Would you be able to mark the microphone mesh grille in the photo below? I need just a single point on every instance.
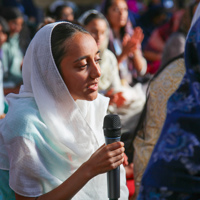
(112, 121)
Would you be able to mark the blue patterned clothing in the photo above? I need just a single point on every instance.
(173, 172)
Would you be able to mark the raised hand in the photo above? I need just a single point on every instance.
(132, 43)
(116, 98)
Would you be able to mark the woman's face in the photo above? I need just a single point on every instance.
(15, 25)
(80, 67)
(118, 14)
(3, 36)
(67, 14)
(97, 28)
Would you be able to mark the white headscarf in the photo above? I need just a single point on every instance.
(46, 135)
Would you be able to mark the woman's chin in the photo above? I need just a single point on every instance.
(92, 97)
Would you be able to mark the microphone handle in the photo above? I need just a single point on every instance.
(113, 176)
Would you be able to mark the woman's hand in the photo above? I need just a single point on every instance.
(138, 36)
(106, 158)
(125, 163)
(116, 98)
(131, 44)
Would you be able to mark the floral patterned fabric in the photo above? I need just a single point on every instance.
(173, 171)
(160, 89)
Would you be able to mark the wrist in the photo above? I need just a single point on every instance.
(87, 170)
(121, 57)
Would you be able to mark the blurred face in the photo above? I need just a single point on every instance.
(3, 36)
(97, 28)
(15, 25)
(118, 14)
(67, 14)
(80, 67)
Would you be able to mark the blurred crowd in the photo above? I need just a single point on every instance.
(136, 39)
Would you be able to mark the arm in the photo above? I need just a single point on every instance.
(106, 158)
(131, 46)
(139, 62)
(156, 42)
(152, 56)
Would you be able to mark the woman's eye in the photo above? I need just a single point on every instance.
(98, 60)
(83, 66)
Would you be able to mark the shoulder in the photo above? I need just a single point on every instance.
(109, 56)
(23, 119)
(173, 72)
(109, 53)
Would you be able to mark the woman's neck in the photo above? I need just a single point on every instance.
(116, 32)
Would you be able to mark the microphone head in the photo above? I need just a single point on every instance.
(112, 126)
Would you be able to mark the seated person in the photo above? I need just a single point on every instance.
(52, 139)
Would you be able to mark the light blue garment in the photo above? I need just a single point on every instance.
(1, 91)
(12, 60)
(5, 191)
(28, 153)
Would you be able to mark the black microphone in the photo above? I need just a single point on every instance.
(112, 133)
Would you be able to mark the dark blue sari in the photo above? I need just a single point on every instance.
(173, 172)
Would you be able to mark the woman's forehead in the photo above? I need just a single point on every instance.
(79, 42)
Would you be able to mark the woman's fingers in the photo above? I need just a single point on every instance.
(106, 158)
(115, 145)
(116, 161)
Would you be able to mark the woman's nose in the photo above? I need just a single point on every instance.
(95, 70)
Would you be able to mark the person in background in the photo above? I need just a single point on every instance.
(124, 41)
(175, 44)
(2, 114)
(126, 101)
(63, 10)
(161, 87)
(13, 49)
(63, 13)
(4, 30)
(154, 46)
(109, 84)
(150, 20)
(52, 138)
(173, 169)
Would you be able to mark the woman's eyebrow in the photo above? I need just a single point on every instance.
(81, 58)
(98, 52)
(84, 57)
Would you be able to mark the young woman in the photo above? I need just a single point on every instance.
(52, 141)
(124, 42)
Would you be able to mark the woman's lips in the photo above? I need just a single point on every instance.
(93, 87)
